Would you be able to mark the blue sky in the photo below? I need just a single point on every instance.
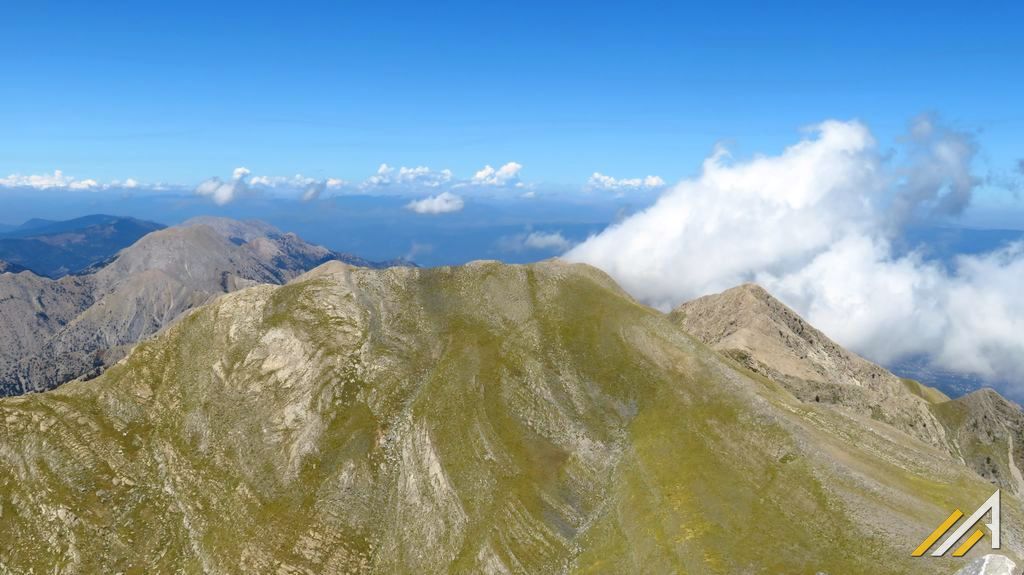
(178, 92)
(862, 139)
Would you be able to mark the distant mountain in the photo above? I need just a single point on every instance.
(982, 429)
(486, 418)
(8, 267)
(59, 330)
(58, 248)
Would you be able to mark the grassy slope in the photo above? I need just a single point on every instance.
(929, 394)
(485, 418)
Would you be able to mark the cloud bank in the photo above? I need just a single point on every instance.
(815, 225)
(58, 180)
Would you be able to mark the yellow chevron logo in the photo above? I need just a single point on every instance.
(991, 506)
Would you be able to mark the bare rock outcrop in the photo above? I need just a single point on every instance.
(746, 323)
(749, 325)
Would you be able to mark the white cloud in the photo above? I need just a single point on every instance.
(60, 181)
(310, 188)
(547, 241)
(298, 181)
(814, 225)
(406, 180)
(49, 181)
(88, 184)
(420, 176)
(506, 175)
(599, 181)
(553, 242)
(222, 192)
(443, 203)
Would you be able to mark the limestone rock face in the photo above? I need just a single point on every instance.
(478, 419)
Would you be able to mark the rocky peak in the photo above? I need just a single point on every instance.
(754, 328)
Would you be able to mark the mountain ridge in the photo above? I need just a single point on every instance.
(8, 267)
(77, 325)
(58, 248)
(982, 429)
(483, 418)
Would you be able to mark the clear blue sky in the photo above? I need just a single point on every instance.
(180, 91)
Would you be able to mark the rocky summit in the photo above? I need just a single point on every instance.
(487, 418)
(982, 429)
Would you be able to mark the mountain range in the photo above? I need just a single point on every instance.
(62, 329)
(491, 418)
(57, 248)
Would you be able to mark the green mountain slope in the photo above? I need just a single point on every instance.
(480, 419)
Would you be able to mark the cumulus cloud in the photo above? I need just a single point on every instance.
(406, 179)
(506, 175)
(58, 180)
(599, 181)
(553, 242)
(443, 203)
(224, 192)
(420, 176)
(547, 241)
(55, 180)
(309, 188)
(298, 181)
(816, 225)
